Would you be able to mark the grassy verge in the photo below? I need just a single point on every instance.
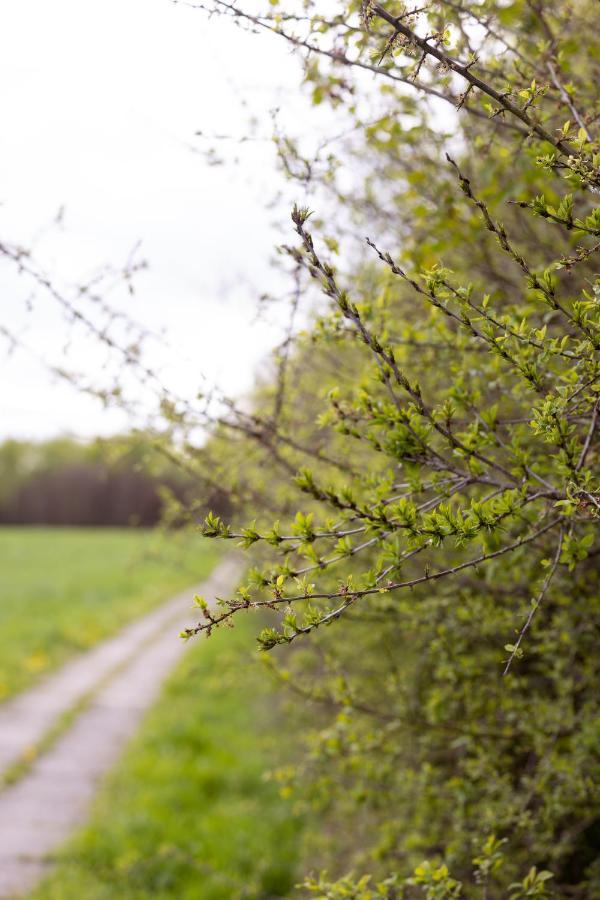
(64, 589)
(187, 813)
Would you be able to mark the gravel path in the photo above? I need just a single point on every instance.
(124, 675)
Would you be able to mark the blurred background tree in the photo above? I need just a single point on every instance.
(122, 481)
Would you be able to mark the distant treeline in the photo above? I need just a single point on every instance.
(117, 481)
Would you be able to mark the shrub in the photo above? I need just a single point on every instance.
(438, 580)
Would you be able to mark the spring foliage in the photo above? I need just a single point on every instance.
(426, 457)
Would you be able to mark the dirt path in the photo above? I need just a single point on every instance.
(124, 675)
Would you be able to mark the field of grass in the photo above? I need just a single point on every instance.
(64, 589)
(187, 814)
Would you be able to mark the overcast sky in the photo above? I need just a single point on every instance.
(100, 104)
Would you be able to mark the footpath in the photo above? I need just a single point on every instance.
(94, 705)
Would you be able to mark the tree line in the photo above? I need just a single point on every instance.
(120, 481)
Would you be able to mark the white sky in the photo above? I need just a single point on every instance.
(99, 105)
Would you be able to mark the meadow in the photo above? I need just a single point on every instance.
(64, 589)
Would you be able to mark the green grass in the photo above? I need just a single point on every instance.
(64, 589)
(187, 814)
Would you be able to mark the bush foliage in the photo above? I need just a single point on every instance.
(426, 457)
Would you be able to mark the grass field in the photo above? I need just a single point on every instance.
(188, 815)
(63, 589)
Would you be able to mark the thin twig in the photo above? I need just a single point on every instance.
(536, 603)
(590, 435)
